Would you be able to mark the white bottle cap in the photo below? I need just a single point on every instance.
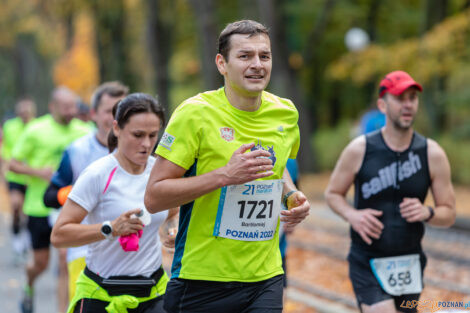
(144, 216)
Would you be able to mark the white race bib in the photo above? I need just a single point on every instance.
(249, 212)
(399, 275)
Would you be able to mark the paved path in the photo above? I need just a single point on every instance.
(12, 277)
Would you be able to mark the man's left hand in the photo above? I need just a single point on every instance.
(298, 209)
(412, 210)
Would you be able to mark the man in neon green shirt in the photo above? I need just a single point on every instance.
(12, 129)
(231, 145)
(37, 154)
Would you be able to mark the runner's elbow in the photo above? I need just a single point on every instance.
(445, 220)
(152, 203)
(328, 195)
(57, 240)
(451, 218)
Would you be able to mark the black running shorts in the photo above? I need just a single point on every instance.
(367, 288)
(40, 232)
(15, 186)
(192, 296)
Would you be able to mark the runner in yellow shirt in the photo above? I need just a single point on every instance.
(37, 154)
(231, 145)
(12, 129)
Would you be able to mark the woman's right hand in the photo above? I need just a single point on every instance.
(127, 224)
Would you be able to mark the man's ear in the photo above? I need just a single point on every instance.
(93, 115)
(382, 105)
(220, 62)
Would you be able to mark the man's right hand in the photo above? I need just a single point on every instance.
(366, 223)
(245, 167)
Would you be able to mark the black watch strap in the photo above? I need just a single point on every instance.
(431, 214)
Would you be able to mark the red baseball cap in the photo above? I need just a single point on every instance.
(396, 83)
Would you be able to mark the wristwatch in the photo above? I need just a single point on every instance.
(107, 230)
(431, 214)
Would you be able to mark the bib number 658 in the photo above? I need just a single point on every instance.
(402, 278)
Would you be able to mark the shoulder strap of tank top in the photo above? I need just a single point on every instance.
(419, 141)
(374, 140)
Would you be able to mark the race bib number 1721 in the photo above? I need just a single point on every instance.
(249, 212)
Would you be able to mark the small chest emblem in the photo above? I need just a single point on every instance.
(227, 133)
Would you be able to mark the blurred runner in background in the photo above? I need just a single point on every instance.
(372, 120)
(25, 110)
(392, 169)
(293, 169)
(37, 154)
(81, 153)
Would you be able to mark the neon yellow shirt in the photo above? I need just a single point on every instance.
(201, 136)
(12, 130)
(41, 146)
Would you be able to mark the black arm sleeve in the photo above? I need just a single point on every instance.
(50, 197)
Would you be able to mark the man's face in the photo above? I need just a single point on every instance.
(65, 107)
(248, 69)
(103, 116)
(26, 110)
(401, 110)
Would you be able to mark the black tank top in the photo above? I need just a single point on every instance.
(384, 179)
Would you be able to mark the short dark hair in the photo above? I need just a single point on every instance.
(113, 89)
(134, 103)
(244, 27)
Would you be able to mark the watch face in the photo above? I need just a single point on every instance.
(106, 229)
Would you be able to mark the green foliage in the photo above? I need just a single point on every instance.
(458, 152)
(336, 85)
(329, 142)
(439, 52)
(181, 92)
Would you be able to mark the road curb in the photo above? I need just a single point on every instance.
(462, 223)
(319, 304)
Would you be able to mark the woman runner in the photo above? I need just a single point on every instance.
(124, 261)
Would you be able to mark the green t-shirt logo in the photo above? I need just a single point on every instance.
(167, 140)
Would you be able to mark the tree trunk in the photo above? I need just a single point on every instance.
(204, 14)
(159, 47)
(372, 16)
(436, 12)
(284, 80)
(20, 56)
(312, 60)
(371, 29)
(318, 31)
(112, 43)
(32, 71)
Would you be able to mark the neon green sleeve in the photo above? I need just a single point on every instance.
(22, 150)
(180, 142)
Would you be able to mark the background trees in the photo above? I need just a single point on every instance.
(167, 47)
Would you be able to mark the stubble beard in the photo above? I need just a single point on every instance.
(398, 125)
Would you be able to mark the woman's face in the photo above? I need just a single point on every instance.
(138, 137)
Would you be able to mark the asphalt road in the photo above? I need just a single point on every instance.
(12, 277)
